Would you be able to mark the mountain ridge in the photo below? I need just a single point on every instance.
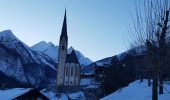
(52, 51)
(23, 64)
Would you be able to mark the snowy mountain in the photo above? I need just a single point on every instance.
(137, 91)
(91, 68)
(52, 51)
(47, 48)
(140, 50)
(24, 64)
(82, 60)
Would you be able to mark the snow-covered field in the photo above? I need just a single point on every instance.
(12, 93)
(138, 91)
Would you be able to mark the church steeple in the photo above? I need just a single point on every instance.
(68, 70)
(62, 53)
(64, 28)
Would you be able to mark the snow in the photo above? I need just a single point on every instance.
(15, 71)
(63, 96)
(92, 87)
(12, 93)
(99, 63)
(139, 50)
(48, 48)
(52, 51)
(86, 81)
(84, 61)
(70, 50)
(15, 55)
(137, 91)
(90, 73)
(53, 96)
(41, 46)
(77, 96)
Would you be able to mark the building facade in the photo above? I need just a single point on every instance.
(68, 73)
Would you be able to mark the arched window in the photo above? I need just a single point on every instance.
(77, 71)
(72, 71)
(66, 71)
(62, 47)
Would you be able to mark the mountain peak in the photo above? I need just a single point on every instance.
(41, 46)
(52, 51)
(51, 44)
(42, 42)
(6, 33)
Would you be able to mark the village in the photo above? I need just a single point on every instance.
(60, 71)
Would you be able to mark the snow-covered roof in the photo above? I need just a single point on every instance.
(13, 93)
(85, 81)
(137, 91)
(92, 87)
(99, 64)
(90, 73)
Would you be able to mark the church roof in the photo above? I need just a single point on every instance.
(64, 28)
(72, 58)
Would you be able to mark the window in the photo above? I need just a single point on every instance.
(66, 71)
(62, 47)
(71, 71)
(76, 71)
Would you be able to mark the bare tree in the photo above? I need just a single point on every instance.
(150, 30)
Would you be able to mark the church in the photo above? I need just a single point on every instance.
(68, 72)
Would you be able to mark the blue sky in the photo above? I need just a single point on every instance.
(97, 28)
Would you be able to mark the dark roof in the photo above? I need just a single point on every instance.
(33, 93)
(72, 58)
(64, 28)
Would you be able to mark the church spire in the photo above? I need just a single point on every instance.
(64, 28)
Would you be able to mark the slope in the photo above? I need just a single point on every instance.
(23, 64)
(137, 91)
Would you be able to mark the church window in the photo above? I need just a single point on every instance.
(71, 71)
(76, 72)
(66, 71)
(62, 47)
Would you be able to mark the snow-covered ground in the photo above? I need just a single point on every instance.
(63, 96)
(137, 91)
(12, 93)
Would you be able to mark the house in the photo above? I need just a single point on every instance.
(100, 69)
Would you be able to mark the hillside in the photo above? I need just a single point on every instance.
(23, 64)
(137, 91)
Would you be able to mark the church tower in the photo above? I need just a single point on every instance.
(62, 54)
(68, 73)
